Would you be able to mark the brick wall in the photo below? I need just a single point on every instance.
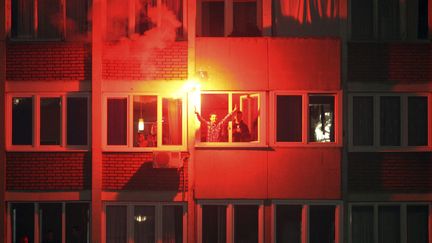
(48, 171)
(389, 172)
(393, 62)
(48, 61)
(134, 171)
(169, 63)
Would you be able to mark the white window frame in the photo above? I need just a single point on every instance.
(376, 120)
(129, 133)
(228, 14)
(37, 221)
(36, 146)
(230, 217)
(262, 131)
(305, 119)
(158, 221)
(63, 30)
(402, 213)
(306, 217)
(132, 20)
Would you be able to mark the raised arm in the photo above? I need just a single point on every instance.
(229, 115)
(199, 116)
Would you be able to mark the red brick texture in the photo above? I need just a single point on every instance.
(392, 62)
(169, 63)
(45, 171)
(57, 61)
(390, 172)
(134, 171)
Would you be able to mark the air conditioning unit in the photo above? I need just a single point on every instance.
(166, 159)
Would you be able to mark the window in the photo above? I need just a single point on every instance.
(49, 218)
(391, 222)
(135, 17)
(232, 119)
(145, 223)
(145, 122)
(389, 121)
(48, 19)
(306, 118)
(230, 221)
(46, 122)
(296, 223)
(389, 19)
(229, 18)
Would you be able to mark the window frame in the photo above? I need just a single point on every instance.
(63, 35)
(228, 17)
(262, 131)
(130, 206)
(37, 230)
(36, 146)
(376, 147)
(230, 223)
(129, 126)
(402, 213)
(305, 119)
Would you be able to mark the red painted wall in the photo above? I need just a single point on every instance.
(134, 171)
(296, 173)
(269, 63)
(47, 61)
(48, 171)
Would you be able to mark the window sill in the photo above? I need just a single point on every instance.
(306, 145)
(390, 149)
(47, 149)
(144, 149)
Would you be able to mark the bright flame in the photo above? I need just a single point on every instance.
(141, 125)
(193, 88)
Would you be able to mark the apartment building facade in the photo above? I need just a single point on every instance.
(107, 131)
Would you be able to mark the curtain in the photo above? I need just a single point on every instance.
(390, 121)
(362, 225)
(417, 224)
(76, 21)
(417, 121)
(144, 228)
(176, 6)
(22, 18)
(172, 125)
(50, 19)
(389, 19)
(363, 120)
(389, 224)
(172, 224)
(116, 224)
(307, 11)
(117, 118)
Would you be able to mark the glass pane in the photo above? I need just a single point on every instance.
(245, 123)
(117, 19)
(213, 118)
(22, 18)
(417, 224)
(50, 215)
(116, 224)
(22, 121)
(321, 118)
(145, 121)
(172, 224)
(77, 118)
(390, 120)
(77, 223)
(176, 7)
(388, 224)
(50, 19)
(363, 120)
(117, 121)
(171, 121)
(388, 19)
(245, 19)
(289, 118)
(143, 22)
(246, 223)
(362, 224)
(50, 121)
(22, 222)
(288, 223)
(417, 121)
(212, 18)
(322, 224)
(214, 223)
(76, 22)
(362, 19)
(144, 224)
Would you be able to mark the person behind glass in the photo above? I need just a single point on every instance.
(213, 126)
(240, 131)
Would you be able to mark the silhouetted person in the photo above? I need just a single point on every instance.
(240, 131)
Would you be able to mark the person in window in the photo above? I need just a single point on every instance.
(213, 126)
(240, 131)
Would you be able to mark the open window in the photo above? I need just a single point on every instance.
(389, 121)
(144, 122)
(306, 118)
(232, 119)
(47, 121)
